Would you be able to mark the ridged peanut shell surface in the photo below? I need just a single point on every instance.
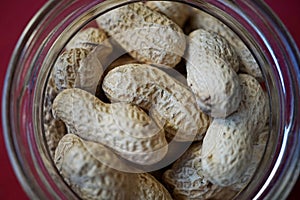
(169, 101)
(66, 67)
(227, 146)
(210, 73)
(147, 35)
(125, 128)
(177, 12)
(92, 179)
(54, 129)
(185, 179)
(87, 38)
(248, 64)
(88, 177)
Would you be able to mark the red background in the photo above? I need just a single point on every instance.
(15, 14)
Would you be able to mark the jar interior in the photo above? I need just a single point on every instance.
(85, 18)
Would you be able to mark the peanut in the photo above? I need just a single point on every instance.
(92, 67)
(205, 21)
(88, 177)
(186, 181)
(54, 129)
(259, 146)
(123, 127)
(124, 59)
(107, 156)
(177, 12)
(148, 36)
(210, 73)
(164, 97)
(81, 68)
(66, 67)
(91, 179)
(227, 145)
(88, 39)
(149, 188)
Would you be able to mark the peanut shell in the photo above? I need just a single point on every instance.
(227, 145)
(167, 100)
(87, 38)
(248, 64)
(125, 128)
(185, 179)
(146, 35)
(66, 67)
(54, 129)
(91, 179)
(88, 177)
(177, 12)
(211, 75)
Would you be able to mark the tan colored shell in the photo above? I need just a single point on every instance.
(255, 102)
(211, 75)
(177, 12)
(92, 67)
(216, 46)
(150, 189)
(125, 128)
(88, 177)
(66, 67)
(121, 60)
(205, 21)
(164, 97)
(107, 157)
(227, 145)
(91, 179)
(186, 181)
(259, 146)
(88, 39)
(80, 67)
(54, 129)
(148, 36)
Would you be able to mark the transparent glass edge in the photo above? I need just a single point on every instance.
(281, 191)
(11, 148)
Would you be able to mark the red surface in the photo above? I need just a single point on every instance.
(15, 14)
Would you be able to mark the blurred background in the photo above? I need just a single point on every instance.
(14, 16)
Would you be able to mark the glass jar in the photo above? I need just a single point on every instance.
(59, 20)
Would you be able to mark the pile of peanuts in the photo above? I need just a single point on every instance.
(125, 95)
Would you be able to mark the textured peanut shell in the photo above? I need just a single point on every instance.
(255, 103)
(167, 100)
(125, 128)
(215, 45)
(92, 67)
(177, 12)
(87, 38)
(121, 60)
(66, 67)
(91, 179)
(211, 75)
(88, 177)
(259, 146)
(227, 146)
(149, 188)
(186, 181)
(54, 129)
(107, 157)
(248, 64)
(146, 35)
